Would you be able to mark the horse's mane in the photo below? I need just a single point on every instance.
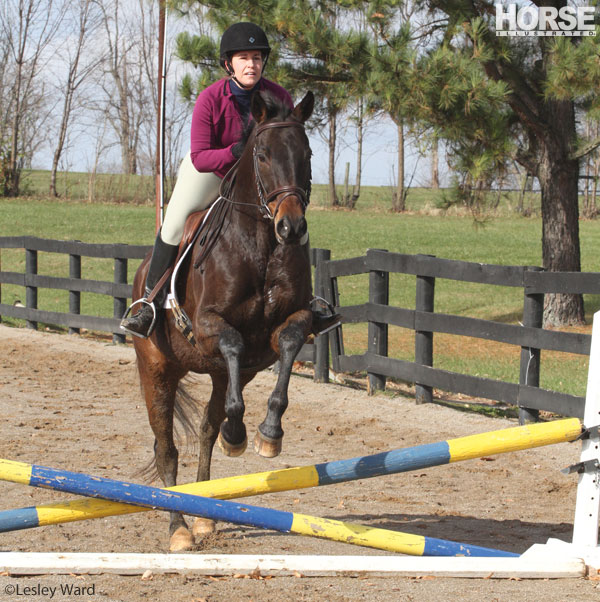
(277, 110)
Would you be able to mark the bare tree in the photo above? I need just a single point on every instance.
(85, 19)
(5, 86)
(177, 112)
(27, 27)
(126, 90)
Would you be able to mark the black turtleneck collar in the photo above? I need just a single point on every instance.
(243, 96)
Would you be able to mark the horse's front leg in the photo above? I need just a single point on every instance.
(232, 433)
(215, 337)
(287, 340)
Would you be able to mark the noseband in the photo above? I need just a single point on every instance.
(285, 191)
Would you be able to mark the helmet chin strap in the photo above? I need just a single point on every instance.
(235, 79)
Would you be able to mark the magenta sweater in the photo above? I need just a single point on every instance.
(217, 125)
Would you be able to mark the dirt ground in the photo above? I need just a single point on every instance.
(73, 402)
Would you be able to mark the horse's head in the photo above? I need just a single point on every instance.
(281, 156)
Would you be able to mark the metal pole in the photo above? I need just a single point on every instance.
(160, 129)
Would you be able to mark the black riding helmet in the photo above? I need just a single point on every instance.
(243, 36)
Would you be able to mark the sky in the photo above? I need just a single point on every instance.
(380, 145)
(380, 157)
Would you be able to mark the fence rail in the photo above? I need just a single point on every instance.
(119, 289)
(423, 320)
(377, 313)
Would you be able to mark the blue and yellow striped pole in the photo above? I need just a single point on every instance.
(392, 462)
(256, 516)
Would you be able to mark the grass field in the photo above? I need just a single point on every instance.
(503, 238)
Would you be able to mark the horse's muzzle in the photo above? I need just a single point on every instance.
(291, 229)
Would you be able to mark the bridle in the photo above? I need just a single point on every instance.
(285, 191)
(264, 196)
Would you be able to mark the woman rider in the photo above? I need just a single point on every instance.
(220, 114)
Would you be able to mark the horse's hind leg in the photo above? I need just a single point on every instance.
(159, 384)
(287, 340)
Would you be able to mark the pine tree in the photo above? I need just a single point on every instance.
(310, 51)
(486, 94)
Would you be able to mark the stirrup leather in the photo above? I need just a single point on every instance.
(182, 322)
(318, 304)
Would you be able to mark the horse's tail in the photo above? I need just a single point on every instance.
(185, 428)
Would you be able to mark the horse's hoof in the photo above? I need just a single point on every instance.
(232, 450)
(181, 540)
(203, 527)
(267, 447)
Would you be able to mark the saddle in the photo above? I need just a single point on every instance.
(204, 227)
(192, 224)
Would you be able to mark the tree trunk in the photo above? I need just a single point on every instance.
(399, 204)
(558, 176)
(332, 194)
(588, 161)
(521, 201)
(62, 135)
(435, 170)
(13, 166)
(14, 171)
(594, 209)
(359, 153)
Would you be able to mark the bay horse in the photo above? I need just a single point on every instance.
(248, 304)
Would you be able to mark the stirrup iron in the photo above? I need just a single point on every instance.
(144, 301)
(319, 304)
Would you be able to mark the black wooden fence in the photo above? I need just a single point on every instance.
(530, 336)
(119, 289)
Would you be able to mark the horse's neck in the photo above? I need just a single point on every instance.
(247, 216)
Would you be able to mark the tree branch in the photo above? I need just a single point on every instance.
(586, 149)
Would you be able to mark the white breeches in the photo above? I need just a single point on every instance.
(193, 191)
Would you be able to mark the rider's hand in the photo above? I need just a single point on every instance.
(237, 149)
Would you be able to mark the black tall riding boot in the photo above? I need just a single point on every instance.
(141, 324)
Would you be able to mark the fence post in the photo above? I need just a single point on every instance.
(336, 340)
(120, 303)
(74, 296)
(321, 366)
(31, 292)
(424, 301)
(379, 292)
(529, 373)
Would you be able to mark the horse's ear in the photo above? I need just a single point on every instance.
(303, 110)
(258, 108)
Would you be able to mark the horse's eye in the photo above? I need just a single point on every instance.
(261, 157)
